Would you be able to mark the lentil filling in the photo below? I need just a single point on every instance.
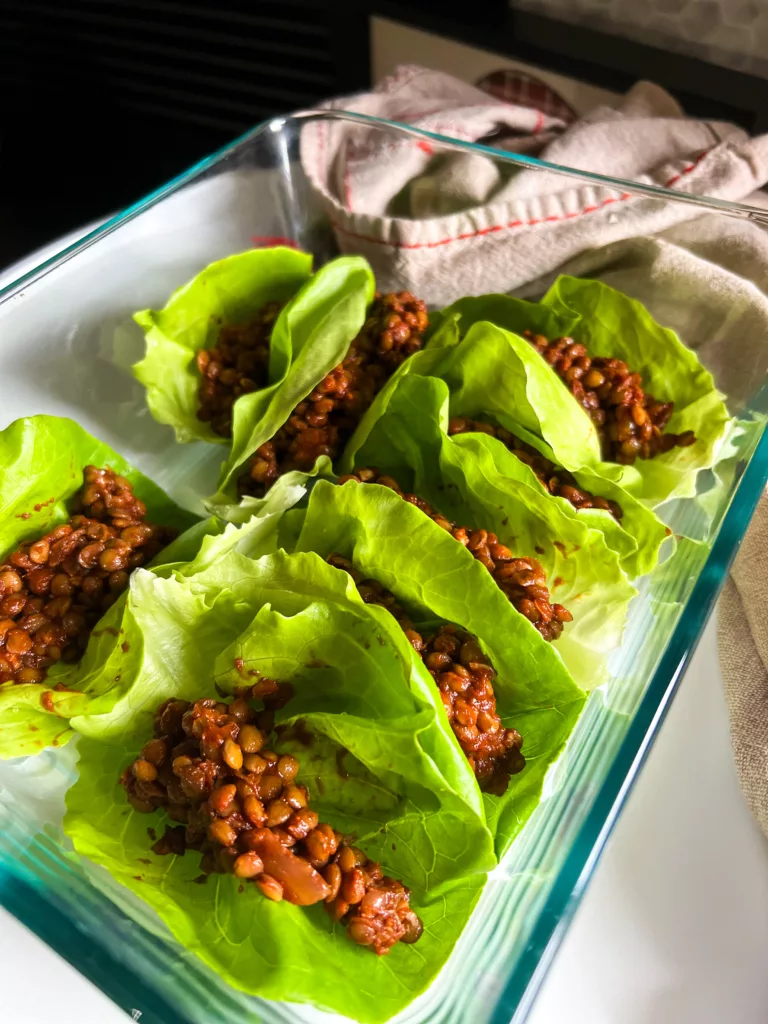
(239, 804)
(464, 677)
(629, 422)
(557, 481)
(522, 580)
(54, 590)
(323, 423)
(235, 366)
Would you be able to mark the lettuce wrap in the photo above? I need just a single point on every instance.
(472, 379)
(474, 481)
(310, 336)
(531, 394)
(42, 459)
(102, 683)
(179, 617)
(381, 762)
(436, 580)
(229, 291)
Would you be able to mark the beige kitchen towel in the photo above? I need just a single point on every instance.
(456, 224)
(743, 645)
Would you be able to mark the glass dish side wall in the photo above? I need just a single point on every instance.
(68, 340)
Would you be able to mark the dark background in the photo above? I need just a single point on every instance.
(103, 100)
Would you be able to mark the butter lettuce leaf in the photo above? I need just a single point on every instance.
(102, 687)
(480, 372)
(437, 580)
(311, 335)
(229, 291)
(42, 459)
(475, 481)
(33, 717)
(610, 324)
(381, 762)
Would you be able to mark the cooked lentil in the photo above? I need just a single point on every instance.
(464, 677)
(556, 480)
(323, 423)
(209, 767)
(235, 366)
(629, 422)
(55, 589)
(522, 580)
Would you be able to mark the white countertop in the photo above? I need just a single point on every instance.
(673, 928)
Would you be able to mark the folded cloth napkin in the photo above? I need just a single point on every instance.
(461, 224)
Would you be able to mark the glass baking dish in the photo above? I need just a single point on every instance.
(68, 341)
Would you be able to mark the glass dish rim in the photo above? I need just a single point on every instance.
(519, 989)
(278, 123)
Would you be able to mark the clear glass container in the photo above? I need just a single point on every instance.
(68, 340)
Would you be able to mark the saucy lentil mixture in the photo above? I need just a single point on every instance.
(323, 423)
(522, 580)
(238, 803)
(236, 366)
(464, 677)
(556, 480)
(54, 590)
(629, 422)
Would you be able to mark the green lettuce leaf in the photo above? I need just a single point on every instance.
(387, 538)
(33, 717)
(231, 290)
(292, 488)
(101, 687)
(382, 764)
(41, 467)
(610, 324)
(434, 578)
(474, 480)
(492, 372)
(637, 537)
(311, 335)
(480, 371)
(42, 459)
